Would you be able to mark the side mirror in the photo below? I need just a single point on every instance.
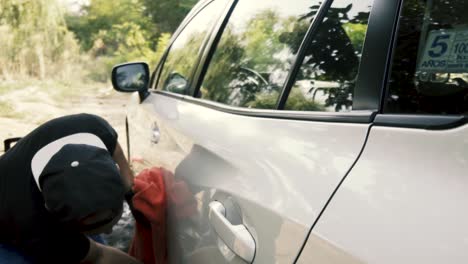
(176, 83)
(130, 77)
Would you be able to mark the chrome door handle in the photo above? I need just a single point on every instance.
(236, 237)
(155, 136)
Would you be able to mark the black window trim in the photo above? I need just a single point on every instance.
(361, 117)
(376, 55)
(428, 122)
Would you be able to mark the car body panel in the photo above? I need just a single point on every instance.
(403, 202)
(310, 187)
(273, 175)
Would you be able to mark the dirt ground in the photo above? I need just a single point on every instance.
(34, 105)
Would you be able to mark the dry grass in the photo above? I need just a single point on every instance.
(7, 110)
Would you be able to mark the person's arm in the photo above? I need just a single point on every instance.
(101, 254)
(125, 171)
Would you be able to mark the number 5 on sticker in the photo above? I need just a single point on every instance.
(439, 46)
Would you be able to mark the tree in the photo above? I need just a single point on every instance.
(166, 15)
(104, 16)
(34, 37)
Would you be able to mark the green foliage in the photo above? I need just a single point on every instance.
(125, 30)
(222, 67)
(102, 20)
(35, 40)
(125, 40)
(265, 101)
(296, 101)
(252, 60)
(104, 15)
(163, 42)
(357, 34)
(39, 40)
(239, 55)
(261, 40)
(187, 54)
(167, 14)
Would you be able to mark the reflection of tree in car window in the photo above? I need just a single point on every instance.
(184, 51)
(252, 58)
(182, 60)
(329, 70)
(266, 41)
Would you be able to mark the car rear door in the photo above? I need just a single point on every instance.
(258, 121)
(404, 200)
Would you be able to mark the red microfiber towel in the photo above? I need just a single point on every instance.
(154, 188)
(149, 241)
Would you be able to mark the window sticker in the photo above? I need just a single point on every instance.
(446, 51)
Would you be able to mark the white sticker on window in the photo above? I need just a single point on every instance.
(446, 51)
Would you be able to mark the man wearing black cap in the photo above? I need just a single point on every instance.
(65, 180)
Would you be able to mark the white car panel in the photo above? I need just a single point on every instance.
(403, 202)
(273, 176)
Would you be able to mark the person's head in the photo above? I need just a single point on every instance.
(82, 188)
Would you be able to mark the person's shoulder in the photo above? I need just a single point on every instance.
(94, 124)
(77, 122)
(81, 117)
(65, 126)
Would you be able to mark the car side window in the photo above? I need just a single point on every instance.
(255, 52)
(184, 51)
(429, 73)
(327, 77)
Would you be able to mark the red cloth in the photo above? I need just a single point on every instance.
(149, 241)
(152, 187)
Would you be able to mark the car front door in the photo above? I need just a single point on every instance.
(258, 122)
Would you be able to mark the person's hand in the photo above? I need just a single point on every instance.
(115, 256)
(101, 254)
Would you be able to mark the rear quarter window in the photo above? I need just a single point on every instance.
(429, 73)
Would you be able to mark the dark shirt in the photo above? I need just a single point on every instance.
(25, 223)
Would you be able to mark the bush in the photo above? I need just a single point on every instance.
(35, 41)
(296, 101)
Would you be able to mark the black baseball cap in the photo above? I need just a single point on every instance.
(79, 180)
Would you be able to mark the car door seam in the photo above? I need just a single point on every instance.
(333, 194)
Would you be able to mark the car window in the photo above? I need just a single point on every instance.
(328, 74)
(429, 73)
(183, 54)
(256, 52)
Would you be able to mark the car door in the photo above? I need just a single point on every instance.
(404, 200)
(258, 122)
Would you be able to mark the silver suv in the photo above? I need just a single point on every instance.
(310, 131)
